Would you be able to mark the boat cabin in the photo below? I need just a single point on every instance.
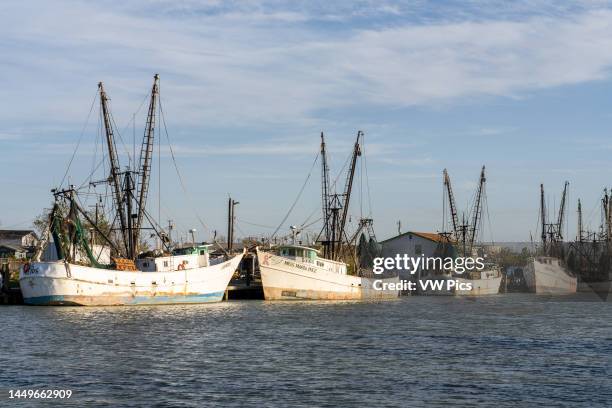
(190, 257)
(310, 256)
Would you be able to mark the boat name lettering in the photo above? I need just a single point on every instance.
(300, 266)
(29, 269)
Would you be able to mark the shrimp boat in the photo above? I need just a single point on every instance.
(134, 275)
(486, 281)
(298, 272)
(547, 272)
(549, 275)
(172, 279)
(590, 255)
(294, 272)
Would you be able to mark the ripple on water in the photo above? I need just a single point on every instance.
(418, 351)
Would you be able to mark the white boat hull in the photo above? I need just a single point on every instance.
(284, 279)
(60, 283)
(488, 284)
(545, 275)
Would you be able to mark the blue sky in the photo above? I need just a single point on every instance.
(524, 88)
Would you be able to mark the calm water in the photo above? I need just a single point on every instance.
(509, 350)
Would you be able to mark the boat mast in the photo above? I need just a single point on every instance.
(603, 229)
(325, 196)
(114, 165)
(477, 209)
(608, 220)
(347, 190)
(335, 238)
(146, 154)
(451, 203)
(561, 215)
(543, 217)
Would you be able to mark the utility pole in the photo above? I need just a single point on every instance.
(399, 227)
(579, 222)
(230, 223)
(543, 217)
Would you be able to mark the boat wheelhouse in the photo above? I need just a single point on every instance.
(190, 257)
(311, 257)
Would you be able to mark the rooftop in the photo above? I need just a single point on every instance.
(432, 236)
(14, 234)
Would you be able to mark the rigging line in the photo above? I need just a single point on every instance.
(312, 223)
(489, 218)
(333, 184)
(254, 224)
(367, 177)
(80, 138)
(127, 151)
(88, 179)
(341, 172)
(298, 196)
(244, 235)
(97, 143)
(133, 120)
(361, 184)
(310, 216)
(332, 187)
(181, 182)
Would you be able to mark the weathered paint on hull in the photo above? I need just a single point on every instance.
(57, 283)
(305, 294)
(61, 300)
(282, 282)
(545, 275)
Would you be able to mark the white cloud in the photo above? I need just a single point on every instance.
(237, 68)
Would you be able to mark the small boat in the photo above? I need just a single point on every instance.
(294, 272)
(547, 272)
(548, 275)
(485, 282)
(129, 274)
